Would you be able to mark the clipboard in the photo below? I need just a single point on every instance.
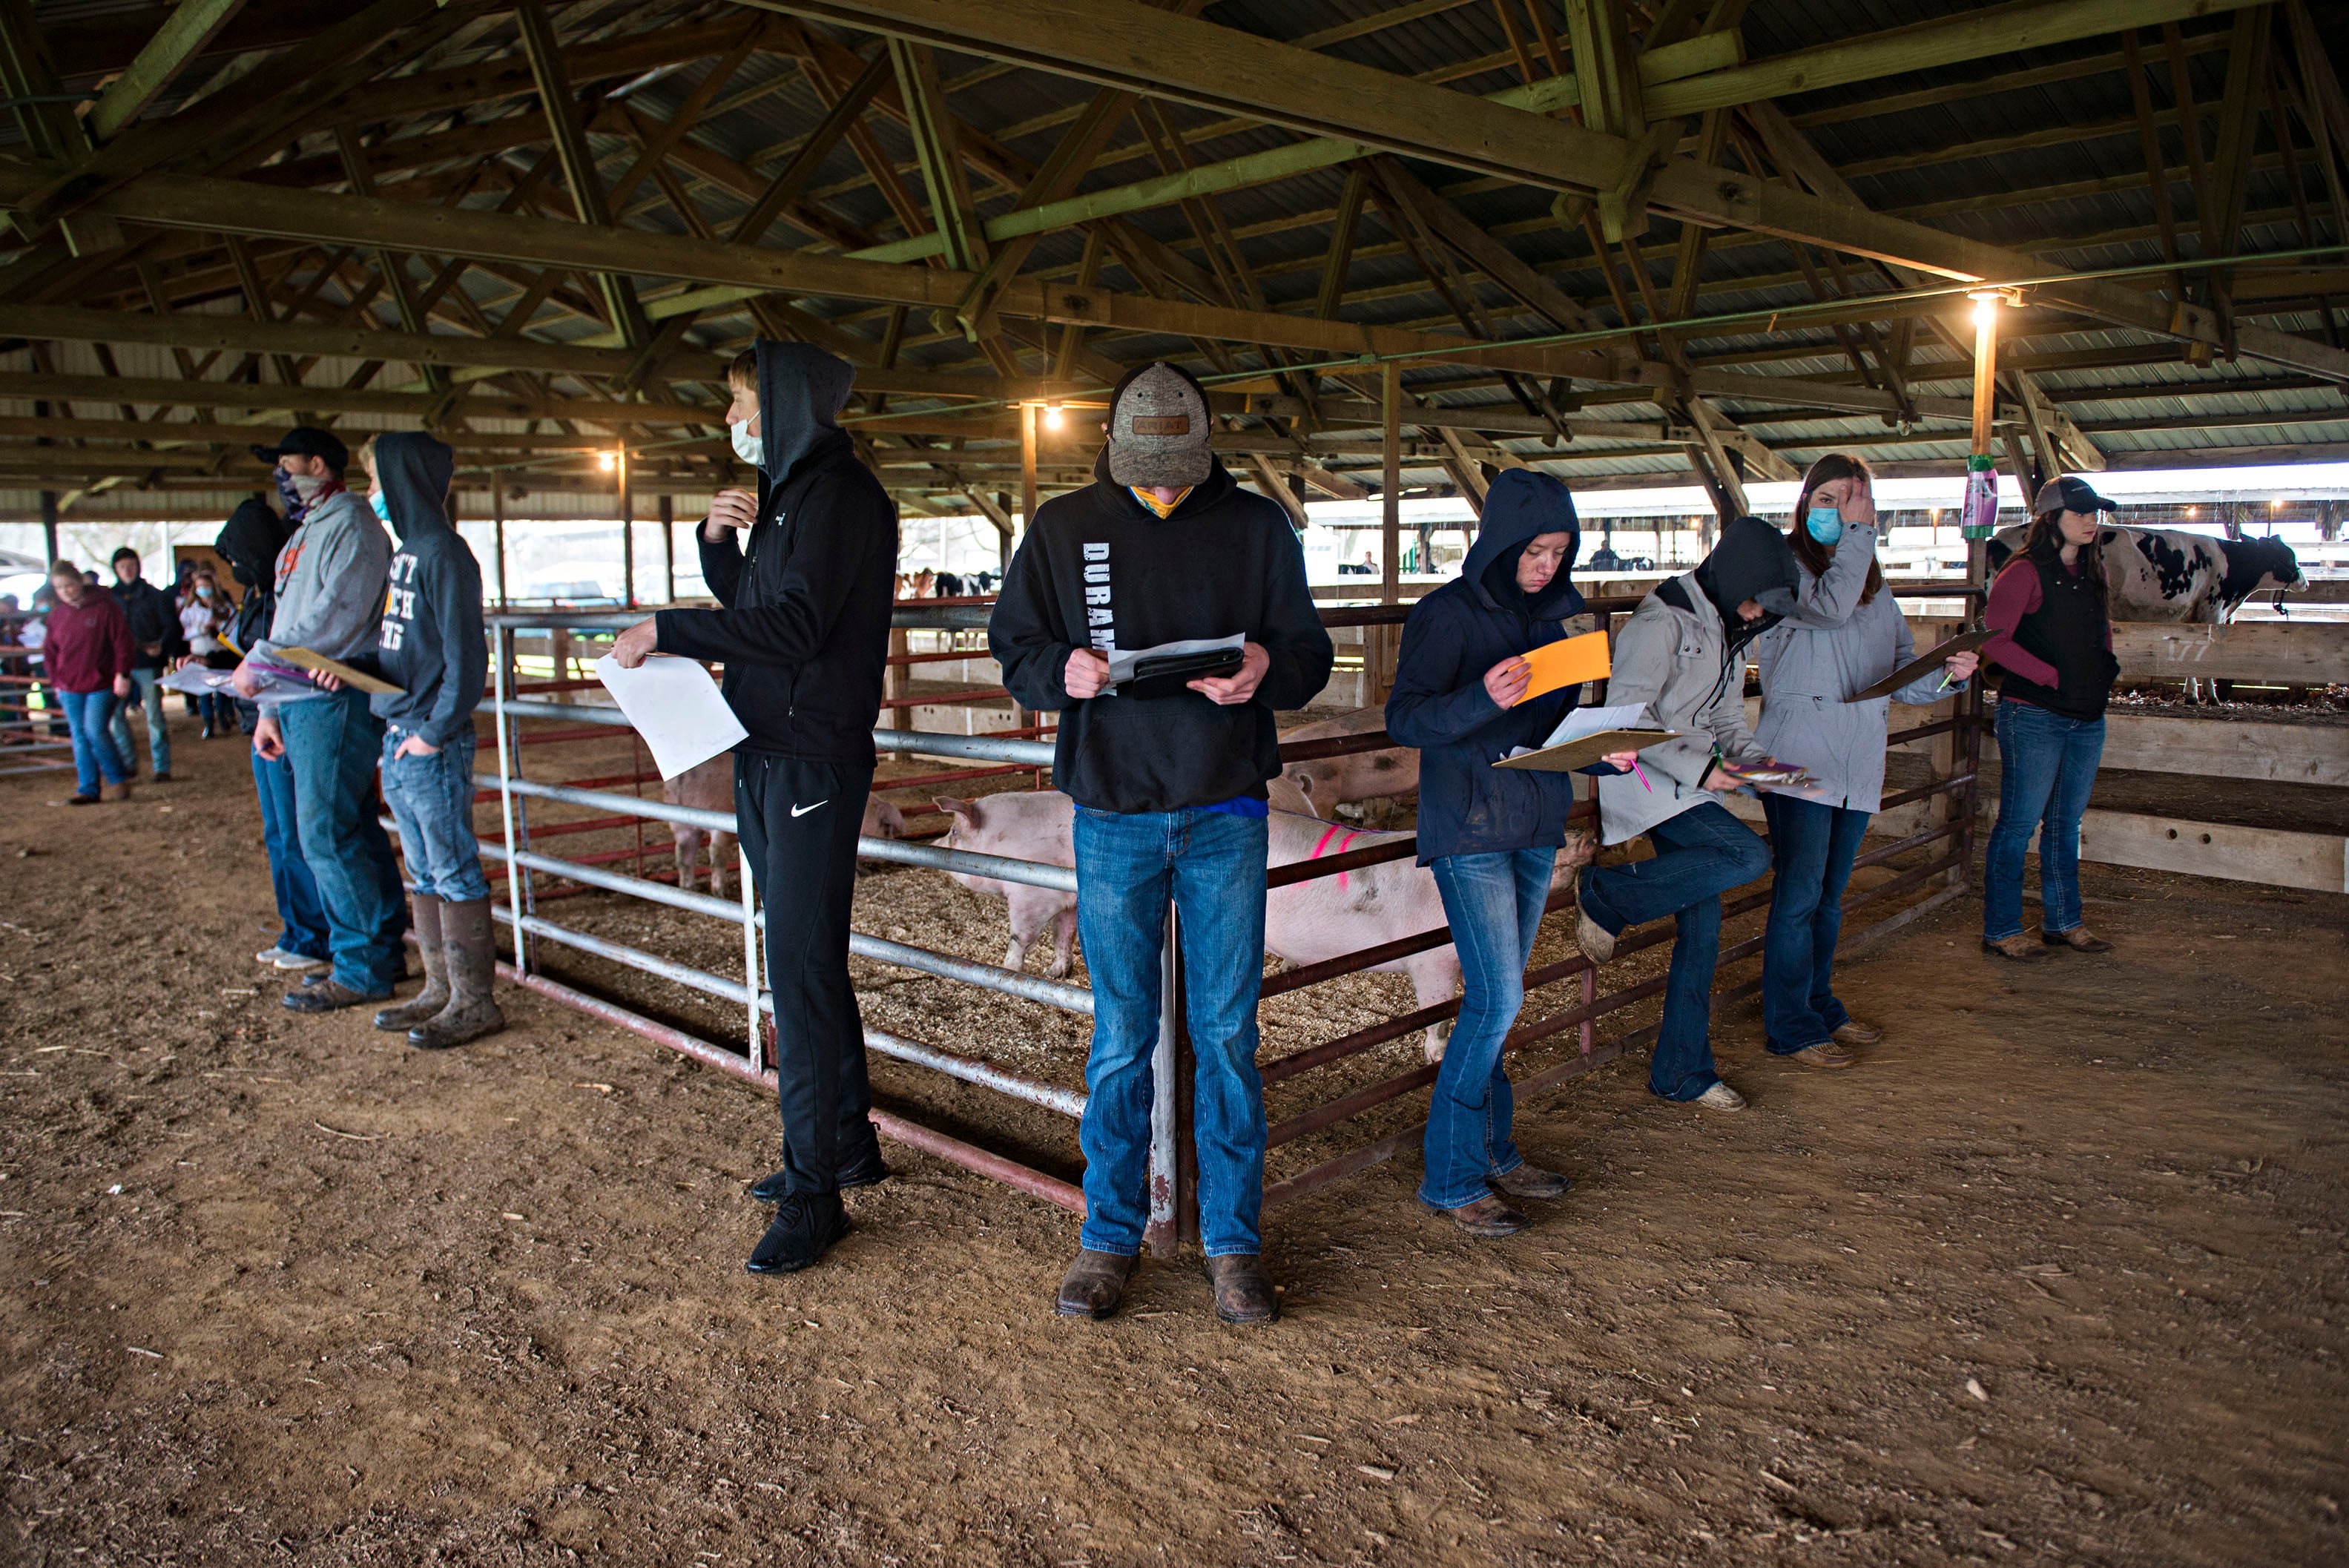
(357, 679)
(1923, 663)
(1570, 660)
(1567, 756)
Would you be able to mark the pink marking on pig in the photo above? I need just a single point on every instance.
(1335, 829)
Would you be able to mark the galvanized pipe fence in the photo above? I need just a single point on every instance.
(1947, 844)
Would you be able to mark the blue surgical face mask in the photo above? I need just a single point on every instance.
(382, 507)
(1825, 524)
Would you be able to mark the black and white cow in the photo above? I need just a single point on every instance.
(2166, 575)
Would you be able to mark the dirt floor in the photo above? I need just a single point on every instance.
(2058, 1274)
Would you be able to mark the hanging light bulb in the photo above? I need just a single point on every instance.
(606, 461)
(1051, 415)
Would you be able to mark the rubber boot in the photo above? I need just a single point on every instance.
(470, 954)
(426, 1004)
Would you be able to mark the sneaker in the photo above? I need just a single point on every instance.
(806, 1226)
(286, 958)
(1720, 1096)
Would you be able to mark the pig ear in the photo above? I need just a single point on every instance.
(963, 811)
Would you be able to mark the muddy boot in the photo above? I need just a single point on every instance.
(1243, 1291)
(427, 1002)
(1094, 1284)
(115, 791)
(470, 950)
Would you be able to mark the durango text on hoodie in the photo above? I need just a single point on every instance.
(804, 629)
(430, 642)
(1100, 570)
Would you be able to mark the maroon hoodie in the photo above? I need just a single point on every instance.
(89, 643)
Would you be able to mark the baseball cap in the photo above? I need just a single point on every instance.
(1158, 430)
(307, 441)
(2069, 494)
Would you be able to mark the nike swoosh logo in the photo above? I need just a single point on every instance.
(804, 810)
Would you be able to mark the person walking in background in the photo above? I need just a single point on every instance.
(154, 619)
(205, 610)
(32, 636)
(1682, 657)
(1492, 834)
(432, 646)
(1164, 546)
(89, 654)
(249, 541)
(804, 629)
(1844, 634)
(2057, 669)
(329, 584)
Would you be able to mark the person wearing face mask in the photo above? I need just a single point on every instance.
(432, 644)
(329, 582)
(2057, 669)
(1682, 657)
(1844, 634)
(803, 630)
(154, 617)
(249, 541)
(205, 610)
(1491, 834)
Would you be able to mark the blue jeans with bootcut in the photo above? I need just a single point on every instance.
(289, 874)
(1211, 865)
(332, 741)
(2046, 768)
(86, 713)
(1494, 904)
(158, 739)
(431, 800)
(1812, 846)
(1700, 854)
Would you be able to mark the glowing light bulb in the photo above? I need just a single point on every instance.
(1985, 309)
(1051, 415)
(608, 461)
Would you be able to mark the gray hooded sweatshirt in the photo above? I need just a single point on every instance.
(1829, 647)
(330, 582)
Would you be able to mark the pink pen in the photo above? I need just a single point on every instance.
(1642, 772)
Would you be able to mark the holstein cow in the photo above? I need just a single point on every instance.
(2168, 574)
(1362, 776)
(710, 787)
(1304, 922)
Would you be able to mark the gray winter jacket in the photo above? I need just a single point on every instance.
(330, 582)
(1831, 646)
(1676, 662)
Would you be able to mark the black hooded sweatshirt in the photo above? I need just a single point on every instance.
(1100, 570)
(249, 541)
(432, 643)
(804, 631)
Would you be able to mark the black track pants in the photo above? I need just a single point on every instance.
(798, 822)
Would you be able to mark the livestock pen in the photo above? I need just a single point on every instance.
(1364, 1113)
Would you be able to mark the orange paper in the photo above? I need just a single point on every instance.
(1569, 662)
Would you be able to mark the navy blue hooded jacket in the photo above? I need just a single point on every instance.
(1466, 806)
(432, 644)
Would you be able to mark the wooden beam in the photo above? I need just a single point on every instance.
(191, 27)
(561, 106)
(2270, 856)
(2227, 748)
(2271, 653)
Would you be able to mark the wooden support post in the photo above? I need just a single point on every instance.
(497, 534)
(49, 527)
(627, 535)
(897, 680)
(1382, 643)
(669, 549)
(1027, 476)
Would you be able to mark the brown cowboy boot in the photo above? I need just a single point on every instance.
(1095, 1285)
(1243, 1291)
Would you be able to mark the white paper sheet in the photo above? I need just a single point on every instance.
(1585, 721)
(675, 706)
(1123, 660)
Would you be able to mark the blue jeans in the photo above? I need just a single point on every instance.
(1494, 903)
(332, 742)
(86, 713)
(432, 798)
(2046, 767)
(158, 739)
(1700, 854)
(289, 874)
(1812, 846)
(1211, 864)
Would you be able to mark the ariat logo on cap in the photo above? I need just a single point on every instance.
(1162, 424)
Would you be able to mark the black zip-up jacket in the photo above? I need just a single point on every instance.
(805, 628)
(1100, 570)
(154, 617)
(432, 643)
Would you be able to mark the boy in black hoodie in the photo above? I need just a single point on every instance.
(804, 635)
(1164, 546)
(433, 648)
